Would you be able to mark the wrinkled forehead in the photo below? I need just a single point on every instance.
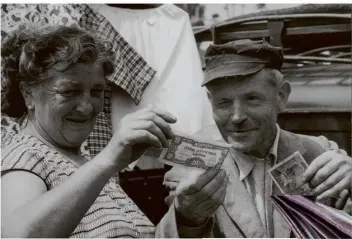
(88, 73)
(84, 69)
(258, 81)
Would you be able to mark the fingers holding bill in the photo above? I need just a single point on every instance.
(202, 180)
(335, 190)
(152, 128)
(316, 165)
(329, 182)
(162, 123)
(322, 174)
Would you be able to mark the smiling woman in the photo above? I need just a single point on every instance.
(32, 55)
(56, 77)
(69, 103)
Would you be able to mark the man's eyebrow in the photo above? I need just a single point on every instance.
(251, 91)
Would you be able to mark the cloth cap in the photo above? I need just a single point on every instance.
(240, 58)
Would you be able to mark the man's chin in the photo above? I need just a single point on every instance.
(243, 147)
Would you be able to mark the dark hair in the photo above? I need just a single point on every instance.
(33, 55)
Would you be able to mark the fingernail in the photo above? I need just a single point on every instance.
(172, 117)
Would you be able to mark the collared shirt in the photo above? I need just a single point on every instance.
(258, 182)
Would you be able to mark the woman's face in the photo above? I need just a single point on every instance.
(66, 106)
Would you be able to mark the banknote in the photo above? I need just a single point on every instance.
(288, 175)
(195, 153)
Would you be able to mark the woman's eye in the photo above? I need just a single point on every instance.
(97, 92)
(70, 93)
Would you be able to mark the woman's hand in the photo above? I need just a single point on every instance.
(138, 131)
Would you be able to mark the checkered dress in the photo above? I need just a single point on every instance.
(132, 73)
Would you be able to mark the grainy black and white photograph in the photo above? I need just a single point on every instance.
(176, 120)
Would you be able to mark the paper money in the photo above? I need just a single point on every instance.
(288, 175)
(191, 152)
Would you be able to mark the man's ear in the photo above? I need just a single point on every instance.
(26, 93)
(208, 94)
(284, 93)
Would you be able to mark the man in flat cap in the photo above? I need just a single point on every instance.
(247, 91)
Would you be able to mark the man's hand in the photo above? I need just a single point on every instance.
(329, 175)
(198, 201)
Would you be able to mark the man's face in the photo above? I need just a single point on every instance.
(245, 110)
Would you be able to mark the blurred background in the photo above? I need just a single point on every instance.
(208, 14)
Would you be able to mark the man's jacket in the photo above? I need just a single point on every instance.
(238, 216)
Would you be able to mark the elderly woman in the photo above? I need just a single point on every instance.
(55, 77)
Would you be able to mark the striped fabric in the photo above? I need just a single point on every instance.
(113, 214)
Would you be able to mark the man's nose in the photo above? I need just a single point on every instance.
(85, 106)
(239, 113)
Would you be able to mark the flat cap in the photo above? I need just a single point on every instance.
(240, 58)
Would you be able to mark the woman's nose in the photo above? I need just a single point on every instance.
(85, 106)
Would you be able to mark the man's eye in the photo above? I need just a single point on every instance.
(253, 98)
(223, 103)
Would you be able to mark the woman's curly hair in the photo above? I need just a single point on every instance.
(33, 55)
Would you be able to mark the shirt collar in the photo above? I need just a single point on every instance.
(246, 162)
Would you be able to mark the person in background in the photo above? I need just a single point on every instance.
(247, 91)
(56, 76)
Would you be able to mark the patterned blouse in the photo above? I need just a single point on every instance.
(113, 214)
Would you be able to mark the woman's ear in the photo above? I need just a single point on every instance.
(284, 93)
(27, 94)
